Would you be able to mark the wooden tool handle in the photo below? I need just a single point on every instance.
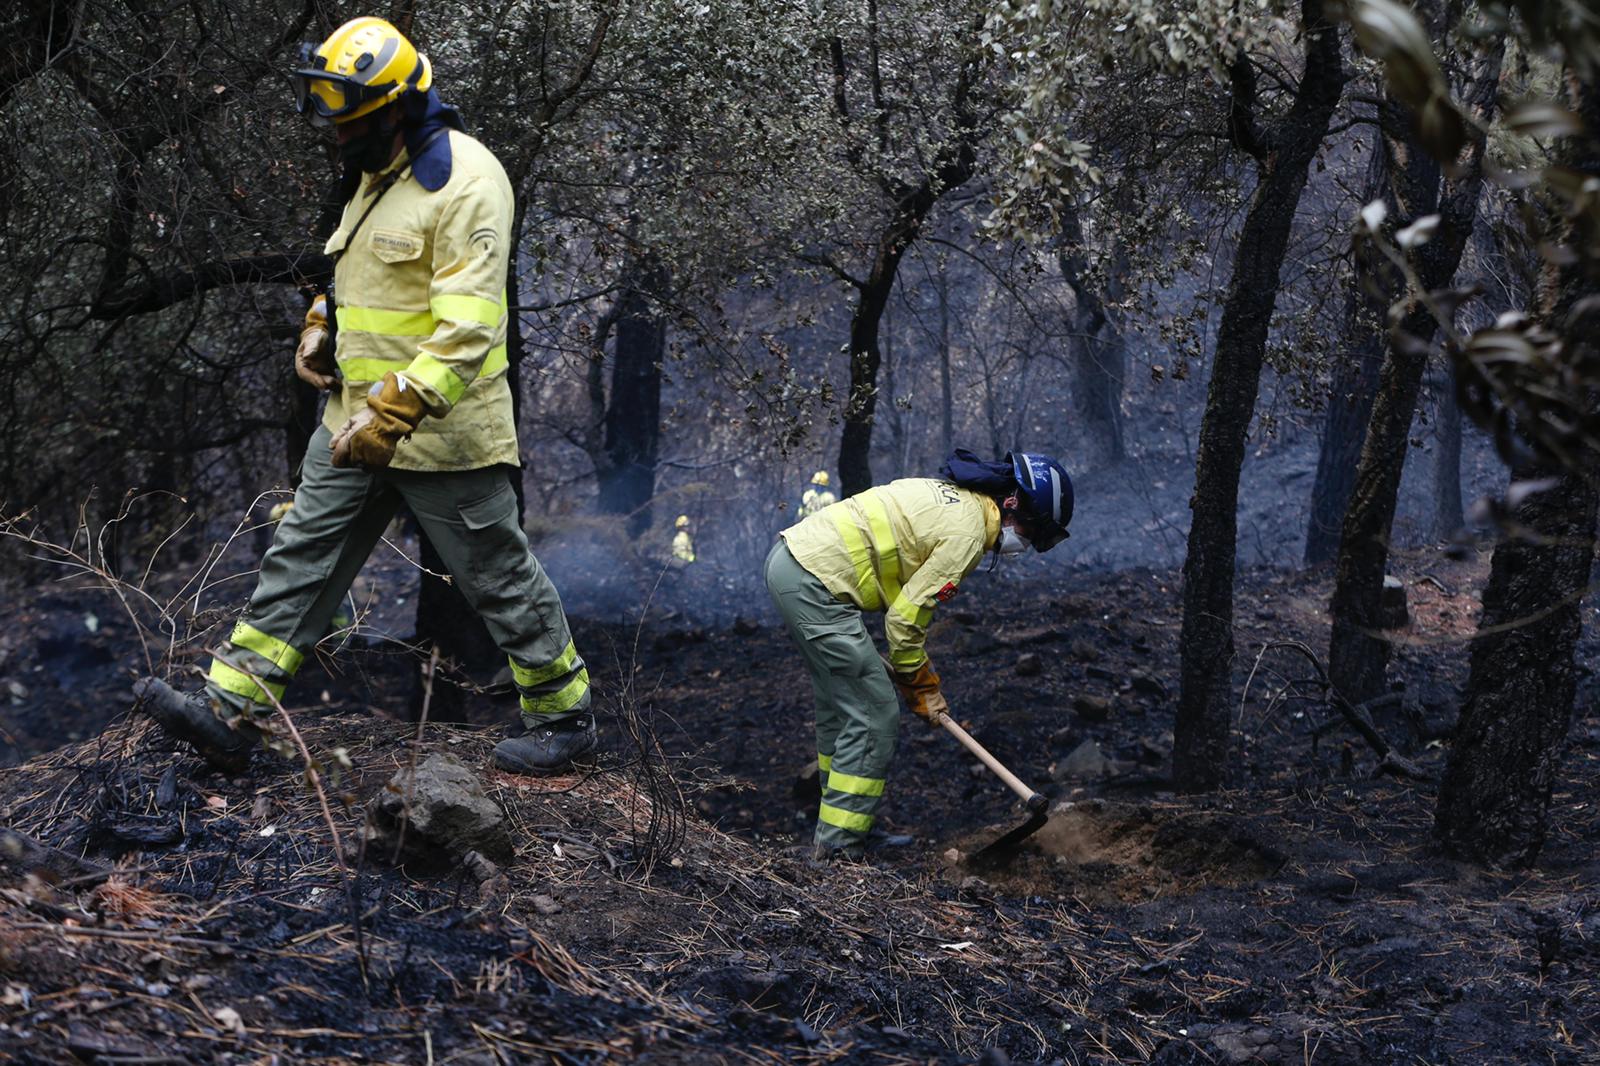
(1033, 799)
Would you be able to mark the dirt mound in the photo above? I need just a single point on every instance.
(1101, 851)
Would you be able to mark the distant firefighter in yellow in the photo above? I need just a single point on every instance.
(816, 496)
(683, 540)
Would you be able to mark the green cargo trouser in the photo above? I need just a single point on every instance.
(857, 715)
(322, 543)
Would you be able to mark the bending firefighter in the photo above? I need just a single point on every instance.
(901, 549)
(418, 412)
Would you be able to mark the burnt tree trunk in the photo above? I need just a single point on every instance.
(1495, 800)
(909, 206)
(633, 415)
(1283, 152)
(1357, 653)
(1449, 517)
(1354, 386)
(947, 392)
(1494, 803)
(1099, 355)
(872, 296)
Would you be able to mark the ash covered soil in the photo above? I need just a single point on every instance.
(1302, 916)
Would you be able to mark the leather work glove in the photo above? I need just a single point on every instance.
(313, 359)
(921, 691)
(394, 408)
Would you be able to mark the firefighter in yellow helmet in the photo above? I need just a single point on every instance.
(683, 540)
(815, 497)
(410, 345)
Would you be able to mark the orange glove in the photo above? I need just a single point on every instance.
(313, 358)
(394, 408)
(921, 691)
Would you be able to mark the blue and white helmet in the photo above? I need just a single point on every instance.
(1044, 496)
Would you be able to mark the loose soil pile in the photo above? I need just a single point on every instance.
(1302, 916)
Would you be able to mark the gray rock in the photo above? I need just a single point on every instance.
(1092, 708)
(1086, 761)
(445, 814)
(1146, 685)
(1029, 665)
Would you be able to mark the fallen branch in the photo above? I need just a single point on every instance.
(1358, 717)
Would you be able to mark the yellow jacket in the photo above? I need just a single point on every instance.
(422, 292)
(683, 546)
(900, 548)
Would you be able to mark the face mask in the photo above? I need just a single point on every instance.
(371, 150)
(1011, 542)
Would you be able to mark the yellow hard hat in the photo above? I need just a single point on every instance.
(820, 478)
(682, 522)
(362, 66)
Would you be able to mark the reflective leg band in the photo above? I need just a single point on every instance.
(270, 648)
(564, 699)
(855, 786)
(855, 823)
(228, 679)
(527, 677)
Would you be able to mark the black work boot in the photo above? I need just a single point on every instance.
(189, 718)
(825, 855)
(549, 747)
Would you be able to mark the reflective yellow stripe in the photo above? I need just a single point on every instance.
(468, 309)
(387, 323)
(438, 376)
(912, 613)
(228, 679)
(883, 541)
(824, 762)
(856, 786)
(528, 677)
(860, 558)
(905, 660)
(494, 362)
(368, 369)
(267, 646)
(564, 700)
(856, 823)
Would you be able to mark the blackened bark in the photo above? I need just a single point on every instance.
(909, 207)
(1099, 354)
(633, 416)
(1354, 385)
(1357, 653)
(1448, 515)
(947, 392)
(1283, 153)
(467, 653)
(855, 443)
(1495, 799)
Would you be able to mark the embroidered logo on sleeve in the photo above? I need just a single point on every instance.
(946, 594)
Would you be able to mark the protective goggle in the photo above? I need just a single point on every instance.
(325, 97)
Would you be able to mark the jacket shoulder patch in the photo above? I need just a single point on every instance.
(946, 594)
